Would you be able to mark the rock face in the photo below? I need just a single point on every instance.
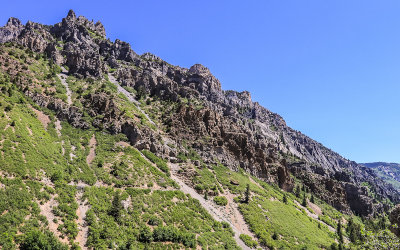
(10, 30)
(221, 126)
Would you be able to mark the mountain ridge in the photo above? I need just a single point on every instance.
(390, 172)
(86, 52)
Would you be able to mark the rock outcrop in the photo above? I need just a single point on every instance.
(11, 30)
(394, 218)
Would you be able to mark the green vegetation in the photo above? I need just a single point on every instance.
(220, 200)
(161, 164)
(178, 218)
(248, 240)
(38, 240)
(44, 165)
(276, 223)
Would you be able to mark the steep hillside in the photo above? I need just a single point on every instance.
(104, 148)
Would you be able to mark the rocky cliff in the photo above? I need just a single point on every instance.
(221, 126)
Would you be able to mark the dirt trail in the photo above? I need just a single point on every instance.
(211, 208)
(83, 207)
(63, 77)
(129, 96)
(92, 152)
(232, 210)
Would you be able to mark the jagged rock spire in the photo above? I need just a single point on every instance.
(71, 15)
(12, 21)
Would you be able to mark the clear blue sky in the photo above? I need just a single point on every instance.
(330, 68)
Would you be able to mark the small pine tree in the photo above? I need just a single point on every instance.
(116, 207)
(285, 199)
(304, 203)
(297, 192)
(247, 194)
(382, 223)
(312, 198)
(339, 231)
(206, 194)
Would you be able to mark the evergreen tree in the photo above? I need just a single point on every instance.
(116, 207)
(285, 199)
(312, 198)
(304, 203)
(353, 230)
(247, 194)
(382, 223)
(297, 192)
(339, 231)
(206, 194)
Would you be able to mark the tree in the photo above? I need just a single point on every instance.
(247, 194)
(116, 207)
(382, 223)
(206, 194)
(339, 231)
(312, 198)
(297, 191)
(141, 92)
(285, 198)
(353, 230)
(304, 203)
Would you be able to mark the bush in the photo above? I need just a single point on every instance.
(38, 240)
(220, 200)
(8, 108)
(154, 221)
(172, 234)
(248, 241)
(145, 234)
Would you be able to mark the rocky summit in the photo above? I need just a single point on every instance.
(132, 134)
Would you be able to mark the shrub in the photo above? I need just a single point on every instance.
(145, 234)
(220, 200)
(248, 240)
(172, 234)
(56, 176)
(8, 108)
(38, 240)
(154, 221)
